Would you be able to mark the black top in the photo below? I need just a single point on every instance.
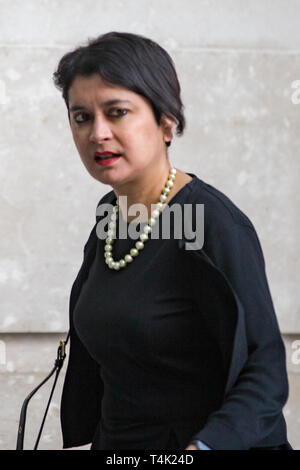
(228, 280)
(158, 361)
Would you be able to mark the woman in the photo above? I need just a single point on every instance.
(174, 345)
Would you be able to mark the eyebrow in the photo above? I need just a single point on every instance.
(78, 107)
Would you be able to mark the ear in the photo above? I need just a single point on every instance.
(168, 126)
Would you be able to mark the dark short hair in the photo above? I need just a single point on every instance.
(131, 61)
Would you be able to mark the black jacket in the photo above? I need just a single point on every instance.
(231, 290)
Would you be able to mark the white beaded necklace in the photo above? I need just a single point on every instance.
(108, 249)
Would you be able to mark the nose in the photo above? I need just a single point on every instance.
(100, 130)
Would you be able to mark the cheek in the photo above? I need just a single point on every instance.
(142, 135)
(80, 139)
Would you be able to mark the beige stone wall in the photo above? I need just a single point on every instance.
(238, 63)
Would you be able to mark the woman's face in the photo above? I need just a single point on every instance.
(110, 118)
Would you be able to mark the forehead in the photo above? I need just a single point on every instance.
(84, 90)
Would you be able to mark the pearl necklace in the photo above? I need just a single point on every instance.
(108, 249)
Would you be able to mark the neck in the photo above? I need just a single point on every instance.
(145, 190)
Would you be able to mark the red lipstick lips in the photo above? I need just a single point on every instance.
(105, 154)
(106, 158)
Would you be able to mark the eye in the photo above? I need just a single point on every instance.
(80, 118)
(118, 112)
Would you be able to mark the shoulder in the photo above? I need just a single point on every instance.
(105, 204)
(230, 246)
(227, 230)
(219, 209)
(217, 205)
(107, 198)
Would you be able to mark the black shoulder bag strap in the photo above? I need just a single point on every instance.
(61, 354)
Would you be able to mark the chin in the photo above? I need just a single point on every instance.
(107, 176)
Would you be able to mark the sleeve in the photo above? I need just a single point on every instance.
(83, 388)
(252, 408)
